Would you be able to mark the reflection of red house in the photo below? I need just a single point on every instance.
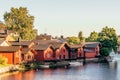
(12, 53)
(92, 49)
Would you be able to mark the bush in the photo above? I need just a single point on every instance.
(3, 60)
(52, 65)
(104, 51)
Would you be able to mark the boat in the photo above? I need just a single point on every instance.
(75, 63)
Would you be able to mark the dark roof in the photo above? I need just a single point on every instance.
(1, 41)
(44, 37)
(92, 44)
(9, 48)
(41, 47)
(3, 36)
(20, 43)
(43, 44)
(25, 50)
(77, 46)
(2, 31)
(56, 45)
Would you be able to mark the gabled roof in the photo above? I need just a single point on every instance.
(1, 41)
(9, 48)
(3, 36)
(41, 47)
(2, 31)
(44, 44)
(92, 44)
(77, 46)
(25, 50)
(20, 43)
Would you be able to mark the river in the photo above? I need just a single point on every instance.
(90, 71)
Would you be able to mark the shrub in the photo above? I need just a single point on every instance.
(3, 60)
(104, 51)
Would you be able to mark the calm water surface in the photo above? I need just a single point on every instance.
(91, 71)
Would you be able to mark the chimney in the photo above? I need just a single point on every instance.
(6, 31)
(18, 39)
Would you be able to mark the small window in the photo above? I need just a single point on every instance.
(59, 56)
(29, 57)
(63, 50)
(80, 55)
(64, 56)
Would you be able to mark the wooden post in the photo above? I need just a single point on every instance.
(84, 58)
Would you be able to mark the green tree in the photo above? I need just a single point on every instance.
(20, 21)
(80, 36)
(108, 38)
(93, 37)
(73, 40)
(104, 51)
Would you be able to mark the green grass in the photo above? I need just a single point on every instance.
(4, 65)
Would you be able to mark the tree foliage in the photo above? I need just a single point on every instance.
(19, 20)
(108, 38)
(80, 36)
(73, 40)
(104, 51)
(93, 37)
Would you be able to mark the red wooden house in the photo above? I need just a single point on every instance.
(44, 52)
(62, 50)
(48, 50)
(26, 48)
(76, 51)
(92, 49)
(12, 53)
(27, 55)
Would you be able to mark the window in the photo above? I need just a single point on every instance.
(59, 56)
(80, 55)
(29, 57)
(63, 50)
(17, 54)
(64, 56)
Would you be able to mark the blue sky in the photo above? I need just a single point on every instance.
(68, 17)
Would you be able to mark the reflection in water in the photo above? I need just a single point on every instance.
(20, 76)
(91, 71)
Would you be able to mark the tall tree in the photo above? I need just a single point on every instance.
(19, 20)
(93, 36)
(80, 36)
(108, 38)
(73, 40)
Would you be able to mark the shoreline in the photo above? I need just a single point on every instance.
(8, 73)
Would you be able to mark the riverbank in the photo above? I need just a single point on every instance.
(43, 65)
(9, 68)
(100, 71)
